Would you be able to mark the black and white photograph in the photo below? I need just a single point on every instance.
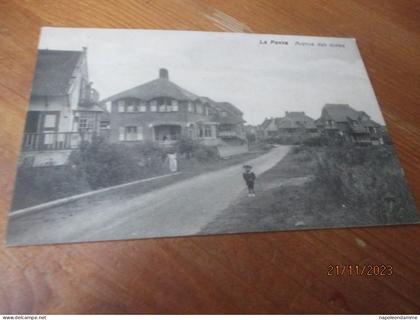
(134, 134)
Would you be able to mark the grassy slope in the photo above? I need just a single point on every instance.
(313, 204)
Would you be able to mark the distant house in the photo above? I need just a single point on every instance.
(230, 122)
(340, 120)
(63, 108)
(253, 133)
(294, 122)
(291, 128)
(269, 128)
(161, 111)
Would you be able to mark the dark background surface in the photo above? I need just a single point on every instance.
(282, 272)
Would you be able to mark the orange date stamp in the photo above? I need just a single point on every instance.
(379, 270)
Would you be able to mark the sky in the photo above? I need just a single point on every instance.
(263, 75)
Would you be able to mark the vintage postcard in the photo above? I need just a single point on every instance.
(136, 134)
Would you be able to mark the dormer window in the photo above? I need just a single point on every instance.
(175, 106)
(165, 105)
(130, 108)
(121, 106)
(153, 106)
(142, 106)
(190, 107)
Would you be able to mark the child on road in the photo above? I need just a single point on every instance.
(249, 178)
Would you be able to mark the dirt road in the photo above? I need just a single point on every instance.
(182, 208)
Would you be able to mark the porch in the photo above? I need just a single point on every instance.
(167, 134)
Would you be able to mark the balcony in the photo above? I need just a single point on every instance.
(54, 140)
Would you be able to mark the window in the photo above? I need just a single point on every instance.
(190, 106)
(104, 125)
(131, 133)
(50, 121)
(121, 106)
(130, 108)
(207, 131)
(142, 106)
(175, 106)
(165, 104)
(108, 106)
(162, 108)
(199, 108)
(153, 105)
(224, 114)
(85, 124)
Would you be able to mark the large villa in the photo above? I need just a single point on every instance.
(162, 111)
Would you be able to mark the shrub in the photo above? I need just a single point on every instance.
(296, 150)
(190, 148)
(37, 185)
(205, 153)
(186, 146)
(315, 141)
(107, 164)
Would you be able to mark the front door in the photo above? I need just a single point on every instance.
(33, 122)
(49, 128)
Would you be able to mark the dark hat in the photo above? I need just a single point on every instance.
(247, 166)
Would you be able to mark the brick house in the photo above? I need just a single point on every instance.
(343, 122)
(63, 108)
(161, 111)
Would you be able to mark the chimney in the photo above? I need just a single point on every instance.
(163, 74)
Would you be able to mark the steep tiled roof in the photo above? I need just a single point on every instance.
(154, 89)
(295, 120)
(53, 72)
(228, 119)
(228, 107)
(265, 123)
(208, 101)
(269, 124)
(344, 113)
(232, 114)
(340, 112)
(163, 87)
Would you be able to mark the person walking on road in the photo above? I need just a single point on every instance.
(249, 178)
